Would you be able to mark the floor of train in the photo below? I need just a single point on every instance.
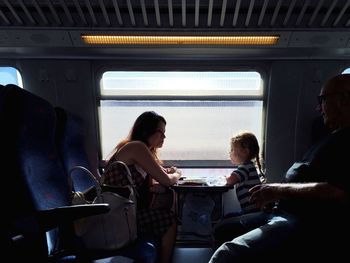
(192, 254)
(181, 255)
(189, 248)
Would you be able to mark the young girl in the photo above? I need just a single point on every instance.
(245, 150)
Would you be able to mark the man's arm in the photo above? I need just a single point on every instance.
(267, 193)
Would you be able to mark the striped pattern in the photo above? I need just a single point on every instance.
(249, 177)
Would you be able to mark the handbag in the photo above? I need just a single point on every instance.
(162, 197)
(114, 229)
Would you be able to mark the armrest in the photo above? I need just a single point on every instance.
(48, 219)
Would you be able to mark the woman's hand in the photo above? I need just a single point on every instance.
(171, 170)
(177, 174)
(174, 173)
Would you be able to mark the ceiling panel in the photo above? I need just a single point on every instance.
(319, 27)
(177, 15)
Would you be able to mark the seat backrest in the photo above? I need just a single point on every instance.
(34, 178)
(16, 205)
(70, 137)
(33, 174)
(36, 156)
(10, 128)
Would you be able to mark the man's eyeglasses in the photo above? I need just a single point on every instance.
(322, 98)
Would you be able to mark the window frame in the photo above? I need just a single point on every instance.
(19, 75)
(189, 163)
(345, 70)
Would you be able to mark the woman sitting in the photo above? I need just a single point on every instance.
(139, 152)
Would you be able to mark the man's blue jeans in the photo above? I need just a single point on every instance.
(270, 231)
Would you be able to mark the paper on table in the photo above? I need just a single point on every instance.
(195, 181)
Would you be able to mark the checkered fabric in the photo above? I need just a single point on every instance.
(154, 221)
(149, 221)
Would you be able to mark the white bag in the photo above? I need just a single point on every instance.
(114, 229)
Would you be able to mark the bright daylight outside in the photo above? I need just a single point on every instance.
(202, 109)
(10, 75)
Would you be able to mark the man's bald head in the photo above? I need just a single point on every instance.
(338, 83)
(335, 102)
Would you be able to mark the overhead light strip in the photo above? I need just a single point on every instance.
(178, 40)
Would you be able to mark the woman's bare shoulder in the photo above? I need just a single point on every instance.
(131, 152)
(134, 145)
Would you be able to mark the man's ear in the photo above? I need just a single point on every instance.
(345, 99)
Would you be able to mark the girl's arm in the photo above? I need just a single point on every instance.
(232, 179)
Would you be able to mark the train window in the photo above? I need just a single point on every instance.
(202, 109)
(10, 75)
(346, 71)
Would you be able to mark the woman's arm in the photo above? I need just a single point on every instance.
(137, 152)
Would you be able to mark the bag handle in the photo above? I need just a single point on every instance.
(97, 183)
(128, 174)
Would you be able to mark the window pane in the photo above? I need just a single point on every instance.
(196, 130)
(203, 110)
(346, 71)
(181, 83)
(10, 75)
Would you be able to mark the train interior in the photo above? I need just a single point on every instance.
(146, 54)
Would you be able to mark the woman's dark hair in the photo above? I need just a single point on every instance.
(144, 127)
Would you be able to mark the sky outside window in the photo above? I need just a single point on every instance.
(10, 75)
(197, 130)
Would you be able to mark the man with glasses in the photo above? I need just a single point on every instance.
(312, 202)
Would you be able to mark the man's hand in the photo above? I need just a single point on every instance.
(264, 194)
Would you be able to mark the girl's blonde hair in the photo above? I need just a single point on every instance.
(248, 140)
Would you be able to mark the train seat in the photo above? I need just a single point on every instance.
(39, 208)
(33, 177)
(70, 139)
(18, 220)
